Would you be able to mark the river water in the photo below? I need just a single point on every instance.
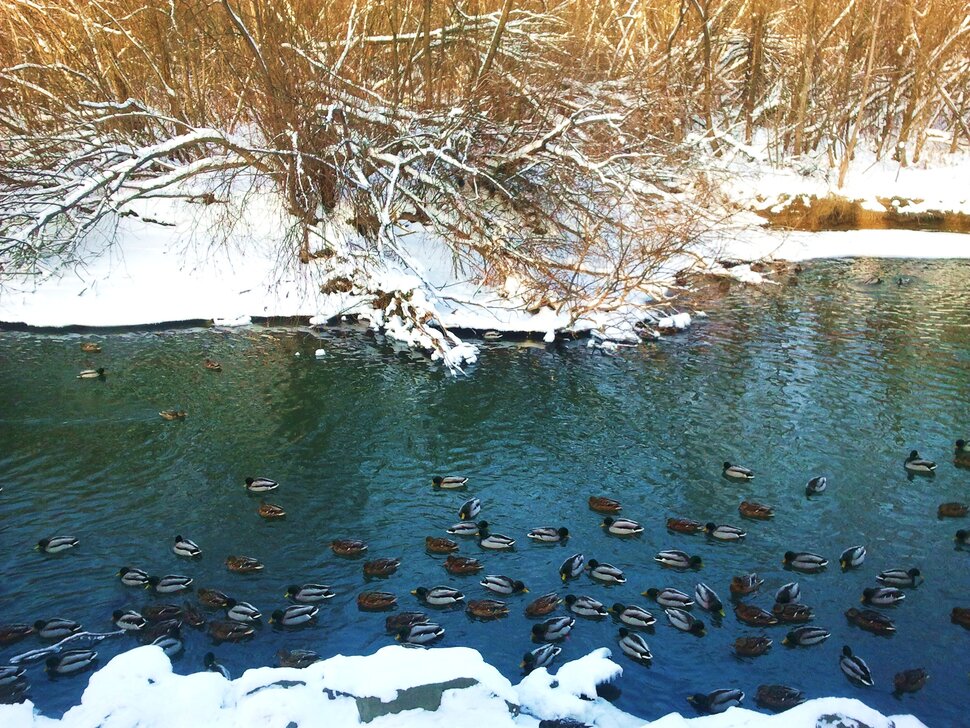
(829, 376)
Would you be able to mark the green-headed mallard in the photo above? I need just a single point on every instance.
(503, 585)
(962, 537)
(56, 629)
(708, 599)
(553, 630)
(421, 634)
(309, 593)
(805, 637)
(915, 464)
(171, 644)
(724, 532)
(468, 528)
(855, 668)
(633, 615)
(170, 583)
(70, 662)
(674, 559)
(133, 577)
(295, 615)
(816, 486)
(634, 646)
(883, 596)
(92, 373)
(852, 557)
(186, 548)
(540, 657)
(128, 620)
(56, 544)
(261, 485)
(449, 482)
(717, 701)
(572, 567)
(469, 509)
(669, 597)
(900, 577)
(439, 596)
(606, 573)
(737, 472)
(804, 561)
(549, 534)
(685, 621)
(495, 541)
(787, 593)
(209, 661)
(585, 606)
(242, 612)
(621, 526)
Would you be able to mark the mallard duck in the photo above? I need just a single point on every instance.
(602, 504)
(855, 668)
(133, 577)
(161, 612)
(56, 629)
(952, 510)
(684, 525)
(961, 616)
(910, 681)
(572, 567)
(449, 482)
(381, 567)
(89, 347)
(962, 537)
(778, 697)
(816, 486)
(540, 657)
(438, 545)
(459, 565)
(13, 633)
(553, 630)
(192, 616)
(915, 464)
(348, 547)
(789, 592)
(468, 528)
(852, 557)
(269, 511)
(685, 621)
(487, 608)
(171, 644)
(708, 599)
(172, 415)
(469, 509)
(375, 601)
(186, 548)
(805, 637)
(492, 335)
(243, 564)
(421, 634)
(170, 584)
(548, 534)
(755, 616)
(439, 596)
(669, 597)
(634, 646)
(804, 561)
(154, 630)
(56, 544)
(212, 598)
(541, 606)
(212, 666)
(298, 659)
(724, 532)
(226, 631)
(242, 612)
(883, 596)
(11, 674)
(674, 559)
(261, 485)
(70, 662)
(900, 577)
(633, 616)
(752, 646)
(606, 573)
(494, 541)
(396, 622)
(621, 526)
(585, 606)
(737, 472)
(503, 585)
(128, 620)
(717, 701)
(792, 612)
(756, 511)
(212, 365)
(870, 621)
(92, 373)
(295, 615)
(746, 584)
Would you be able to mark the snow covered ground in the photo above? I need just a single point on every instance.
(138, 688)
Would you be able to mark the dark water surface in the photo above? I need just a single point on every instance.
(826, 377)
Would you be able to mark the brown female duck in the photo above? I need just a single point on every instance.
(381, 567)
(755, 616)
(375, 601)
(757, 511)
(243, 564)
(602, 504)
(439, 545)
(541, 606)
(462, 565)
(348, 547)
(487, 608)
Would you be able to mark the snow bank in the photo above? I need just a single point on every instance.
(396, 686)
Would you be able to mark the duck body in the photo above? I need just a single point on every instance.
(541, 606)
(128, 620)
(708, 599)
(161, 612)
(12, 633)
(348, 546)
(883, 596)
(212, 598)
(468, 528)
(746, 584)
(792, 612)
(487, 608)
(70, 662)
(186, 548)
(11, 675)
(212, 666)
(572, 567)
(685, 621)
(952, 510)
(172, 415)
(789, 592)
(961, 454)
(915, 464)
(585, 606)
(606, 573)
(439, 596)
(554, 629)
(243, 564)
(192, 616)
(752, 646)
(421, 634)
(396, 622)
(449, 482)
(494, 541)
(804, 561)
(871, 621)
(212, 365)
(92, 373)
(298, 659)
(674, 559)
(816, 486)
(806, 637)
(737, 472)
(242, 612)
(154, 630)
(852, 558)
(684, 525)
(469, 509)
(634, 646)
(270, 511)
(900, 577)
(669, 597)
(755, 511)
(961, 616)
(717, 701)
(855, 668)
(57, 544)
(548, 534)
(778, 697)
(459, 565)
(503, 585)
(755, 616)
(375, 601)
(261, 485)
(89, 347)
(633, 616)
(381, 567)
(724, 532)
(56, 629)
(542, 656)
(602, 504)
(171, 643)
(228, 631)
(133, 577)
(910, 681)
(438, 545)
(622, 526)
(295, 615)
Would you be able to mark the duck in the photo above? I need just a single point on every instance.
(459, 565)
(852, 557)
(685, 621)
(548, 534)
(805, 637)
(553, 630)
(816, 486)
(11, 675)
(804, 561)
(128, 620)
(961, 454)
(92, 373)
(717, 701)
(261, 485)
(708, 599)
(778, 697)
(746, 584)
(494, 541)
(212, 365)
(792, 612)
(756, 511)
(212, 598)
(755, 616)
(634, 646)
(469, 509)
(13, 633)
(438, 545)
(633, 616)
(621, 526)
(243, 564)
(56, 544)
(674, 559)
(348, 547)
(439, 596)
(752, 646)
(542, 656)
(910, 681)
(487, 608)
(606, 573)
(915, 464)
(669, 597)
(297, 659)
(396, 622)
(961, 616)
(171, 643)
(154, 630)
(952, 510)
(421, 634)
(375, 601)
(684, 525)
(172, 415)
(212, 666)
(449, 482)
(381, 567)
(900, 577)
(724, 532)
(242, 612)
(585, 606)
(56, 629)
(503, 585)
(572, 567)
(161, 612)
(883, 596)
(89, 347)
(788, 593)
(962, 537)
(855, 668)
(602, 504)
(270, 511)
(133, 577)
(543, 605)
(870, 620)
(186, 548)
(227, 631)
(294, 615)
(70, 662)
(192, 616)
(737, 472)
(468, 528)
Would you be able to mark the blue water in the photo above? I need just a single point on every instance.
(824, 377)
